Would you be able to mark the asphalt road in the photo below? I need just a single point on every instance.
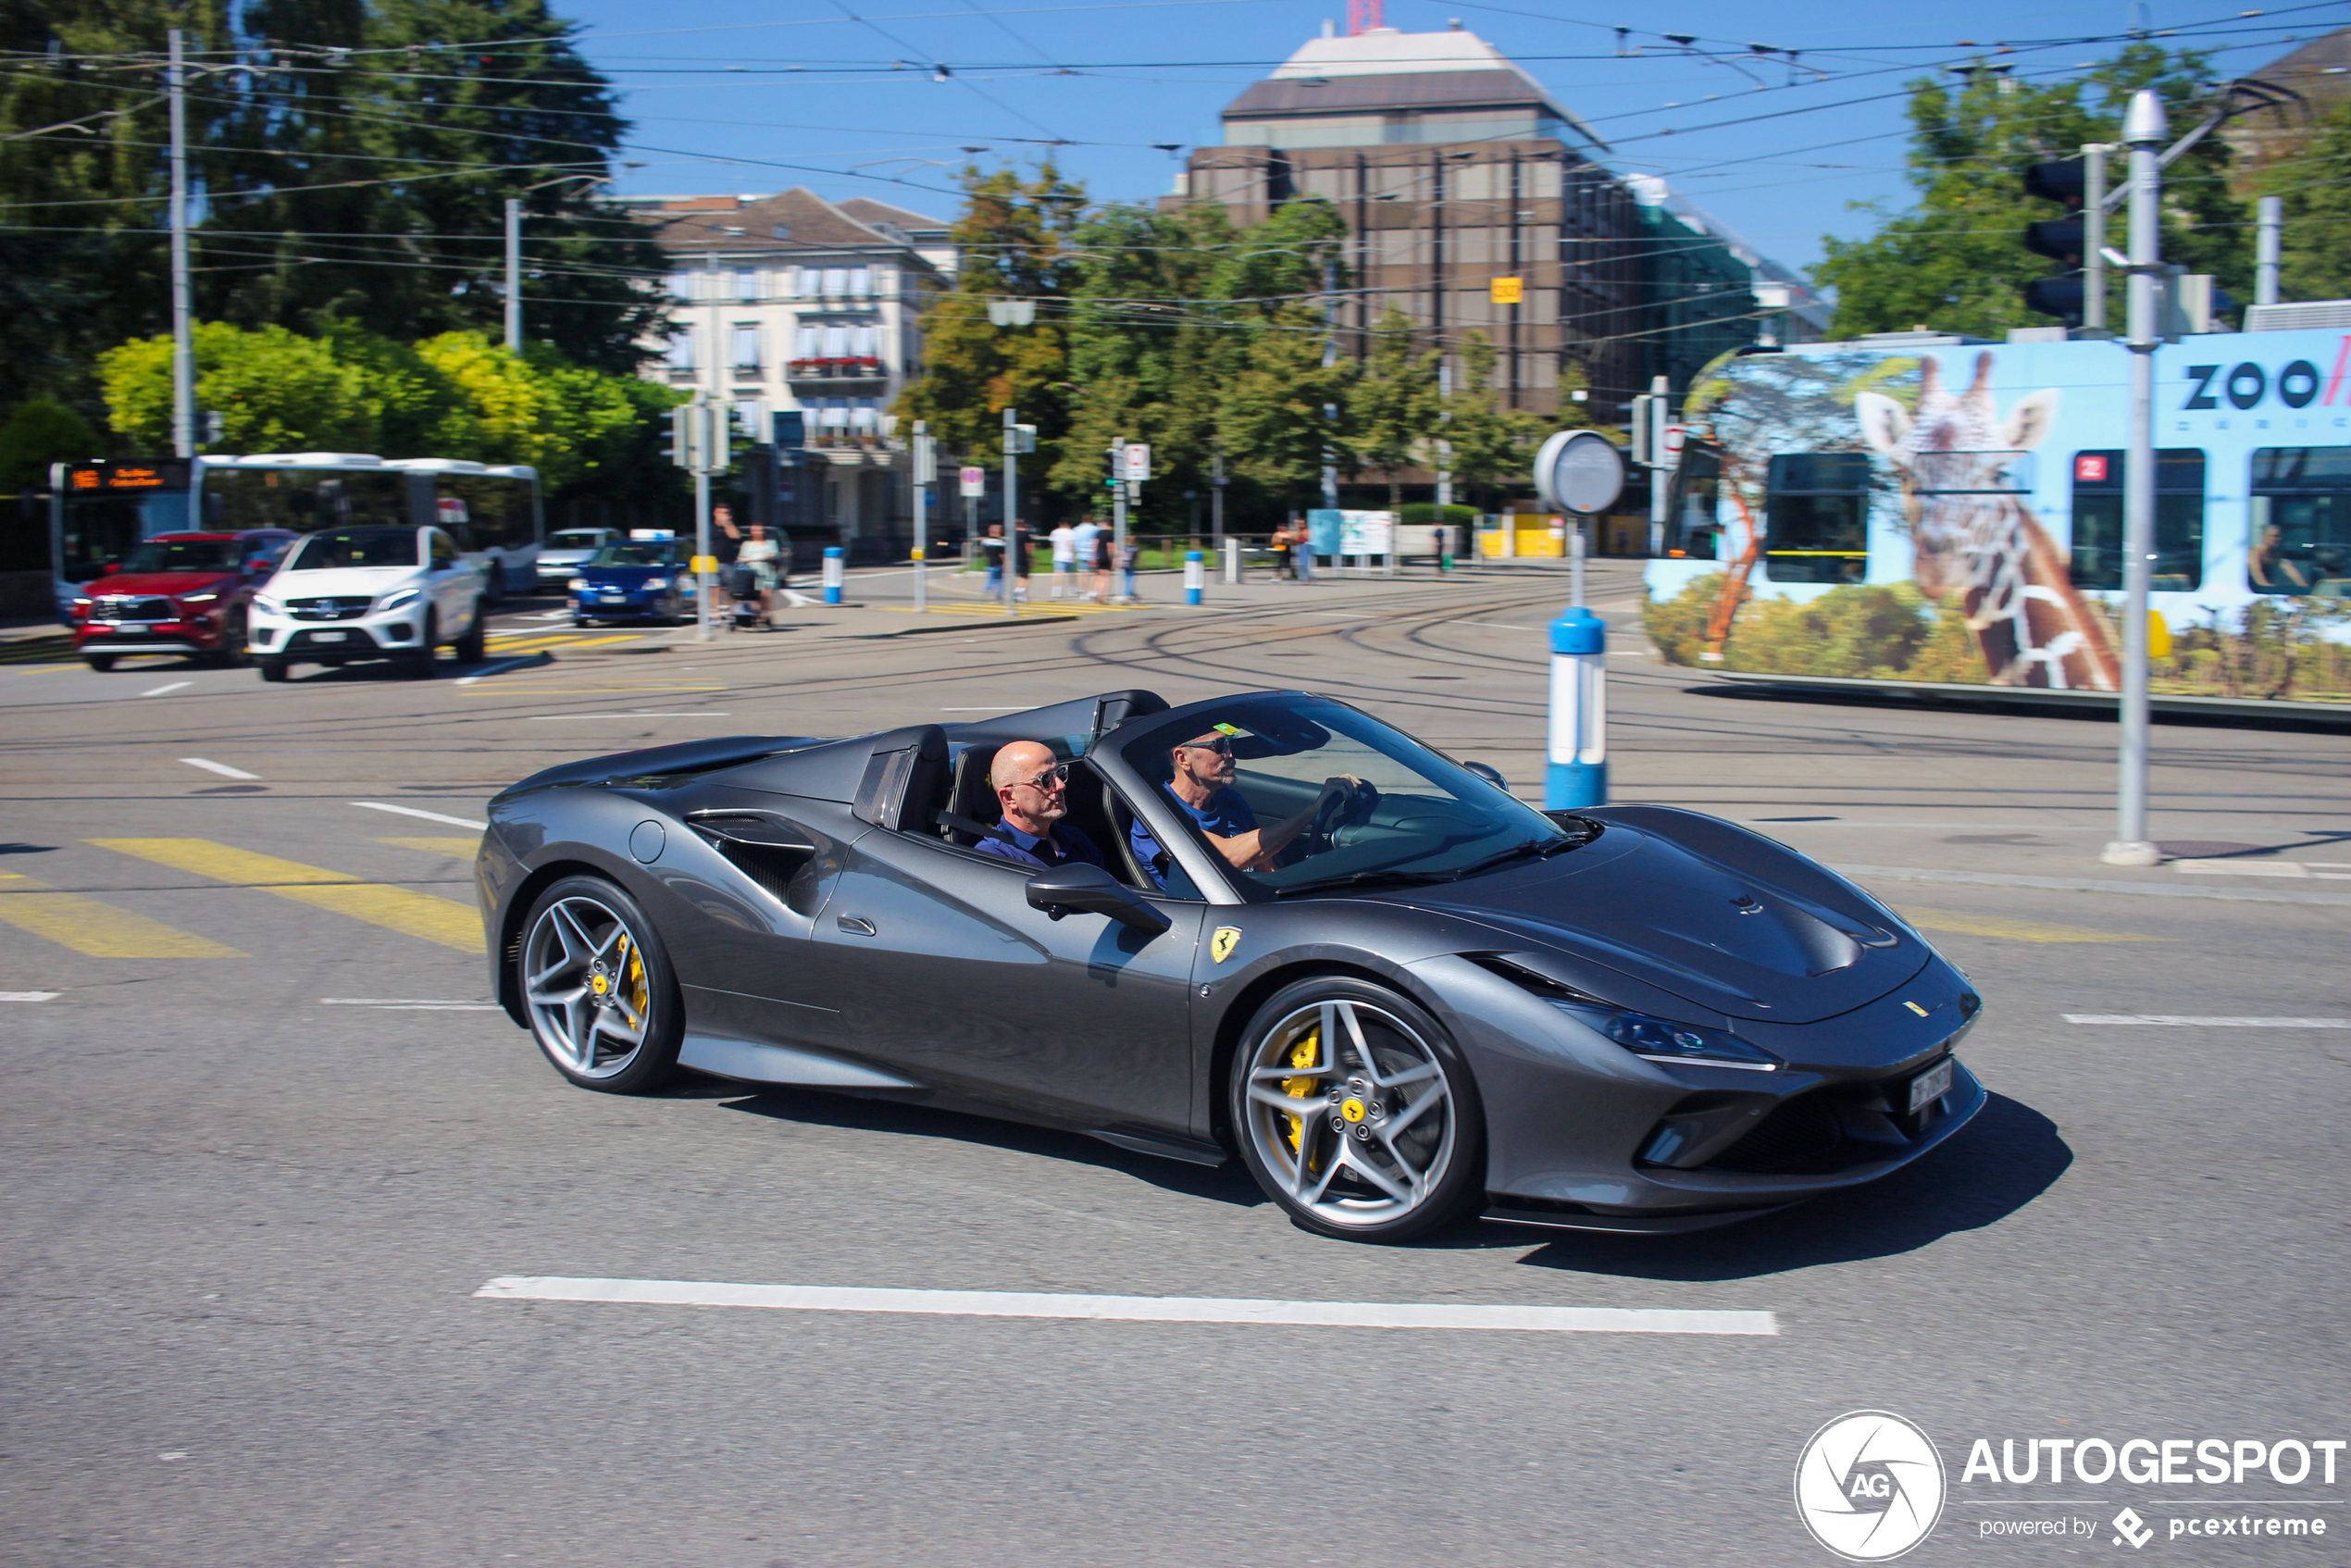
(248, 1203)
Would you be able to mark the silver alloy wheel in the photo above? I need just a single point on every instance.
(585, 983)
(1350, 1110)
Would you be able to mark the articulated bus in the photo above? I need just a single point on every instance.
(98, 511)
(1929, 512)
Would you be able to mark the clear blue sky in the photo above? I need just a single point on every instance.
(805, 83)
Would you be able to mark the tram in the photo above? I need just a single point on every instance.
(1932, 513)
(98, 511)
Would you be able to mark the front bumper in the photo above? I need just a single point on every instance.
(396, 631)
(124, 638)
(595, 605)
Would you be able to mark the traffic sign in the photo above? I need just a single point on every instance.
(1138, 462)
(1579, 471)
(1507, 291)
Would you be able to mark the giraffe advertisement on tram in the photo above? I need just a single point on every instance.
(1932, 511)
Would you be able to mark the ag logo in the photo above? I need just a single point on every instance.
(1220, 945)
(1869, 1486)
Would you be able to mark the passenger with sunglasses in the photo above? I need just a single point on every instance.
(1032, 789)
(1204, 788)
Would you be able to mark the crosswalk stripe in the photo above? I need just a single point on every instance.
(428, 916)
(100, 930)
(463, 847)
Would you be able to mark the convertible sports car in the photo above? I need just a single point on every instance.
(1397, 994)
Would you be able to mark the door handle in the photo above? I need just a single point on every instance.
(857, 925)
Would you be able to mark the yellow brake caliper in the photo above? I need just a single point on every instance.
(1302, 1055)
(635, 970)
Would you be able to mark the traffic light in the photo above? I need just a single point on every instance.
(2064, 240)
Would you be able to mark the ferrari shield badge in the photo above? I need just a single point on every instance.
(1220, 945)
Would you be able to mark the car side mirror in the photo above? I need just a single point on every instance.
(1092, 890)
(1487, 772)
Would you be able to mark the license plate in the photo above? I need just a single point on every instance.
(328, 636)
(615, 599)
(1930, 1086)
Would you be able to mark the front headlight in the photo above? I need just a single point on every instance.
(654, 584)
(1663, 1039)
(577, 585)
(397, 597)
(267, 605)
(198, 598)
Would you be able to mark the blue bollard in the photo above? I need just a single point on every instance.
(1195, 574)
(1578, 775)
(832, 575)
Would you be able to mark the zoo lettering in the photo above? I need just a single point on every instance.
(2247, 384)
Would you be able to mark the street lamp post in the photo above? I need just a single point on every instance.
(2144, 129)
(183, 351)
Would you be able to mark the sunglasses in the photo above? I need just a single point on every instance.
(1222, 746)
(1049, 780)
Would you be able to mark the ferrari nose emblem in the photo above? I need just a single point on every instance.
(1351, 1108)
(1220, 945)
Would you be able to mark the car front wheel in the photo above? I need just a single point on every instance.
(102, 663)
(271, 670)
(472, 648)
(1355, 1112)
(596, 984)
(417, 664)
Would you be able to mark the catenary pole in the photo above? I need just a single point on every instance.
(2266, 247)
(514, 275)
(1011, 506)
(2144, 129)
(183, 349)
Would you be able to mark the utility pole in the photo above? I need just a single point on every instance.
(1330, 410)
(2267, 248)
(1660, 397)
(1216, 497)
(514, 275)
(183, 349)
(926, 471)
(1011, 506)
(2094, 238)
(1444, 448)
(1119, 516)
(2144, 129)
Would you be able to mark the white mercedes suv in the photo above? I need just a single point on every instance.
(344, 594)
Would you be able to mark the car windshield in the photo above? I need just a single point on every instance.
(1334, 798)
(634, 555)
(576, 539)
(183, 555)
(357, 547)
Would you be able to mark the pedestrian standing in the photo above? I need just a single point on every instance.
(1301, 550)
(1105, 542)
(1064, 542)
(1441, 538)
(1024, 550)
(992, 548)
(1127, 560)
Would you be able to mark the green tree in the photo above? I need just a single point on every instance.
(1015, 236)
(40, 432)
(1956, 261)
(1493, 445)
(275, 391)
(2315, 186)
(1394, 407)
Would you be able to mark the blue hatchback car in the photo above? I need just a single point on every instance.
(644, 579)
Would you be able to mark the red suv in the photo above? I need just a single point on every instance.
(177, 593)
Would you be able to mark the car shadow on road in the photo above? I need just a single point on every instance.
(2008, 1158)
(1225, 1184)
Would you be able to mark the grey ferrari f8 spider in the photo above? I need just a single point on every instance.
(1398, 995)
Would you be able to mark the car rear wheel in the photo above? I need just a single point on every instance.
(231, 652)
(597, 986)
(1355, 1112)
(102, 663)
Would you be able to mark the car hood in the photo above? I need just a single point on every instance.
(146, 584)
(341, 582)
(627, 577)
(1733, 923)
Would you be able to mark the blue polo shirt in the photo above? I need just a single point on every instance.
(1226, 815)
(1068, 843)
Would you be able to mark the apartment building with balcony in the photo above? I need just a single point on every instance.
(791, 303)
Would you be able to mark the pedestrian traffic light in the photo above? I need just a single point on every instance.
(2063, 240)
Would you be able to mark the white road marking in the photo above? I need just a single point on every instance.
(2261, 868)
(992, 708)
(2176, 1021)
(30, 996)
(1133, 1309)
(427, 815)
(221, 768)
(695, 713)
(163, 690)
(398, 1005)
(500, 668)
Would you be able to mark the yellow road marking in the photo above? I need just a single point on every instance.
(98, 930)
(464, 847)
(405, 910)
(2014, 930)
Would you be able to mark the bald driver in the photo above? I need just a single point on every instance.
(1203, 785)
(1032, 789)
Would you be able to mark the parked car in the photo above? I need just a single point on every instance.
(186, 593)
(567, 550)
(355, 593)
(640, 580)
